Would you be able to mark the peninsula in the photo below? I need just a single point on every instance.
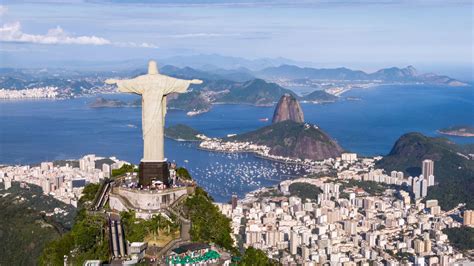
(182, 132)
(458, 131)
(287, 139)
(101, 102)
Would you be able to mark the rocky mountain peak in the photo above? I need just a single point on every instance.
(410, 71)
(288, 108)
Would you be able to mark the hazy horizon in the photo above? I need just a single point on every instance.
(368, 35)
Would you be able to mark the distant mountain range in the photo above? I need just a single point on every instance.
(256, 91)
(232, 87)
(292, 72)
(22, 79)
(11, 78)
(212, 62)
(235, 86)
(242, 86)
(221, 74)
(393, 74)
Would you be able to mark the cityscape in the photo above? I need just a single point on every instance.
(322, 224)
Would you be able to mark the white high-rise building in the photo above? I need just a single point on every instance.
(106, 170)
(431, 180)
(424, 187)
(82, 164)
(253, 237)
(58, 181)
(272, 238)
(371, 238)
(350, 157)
(8, 182)
(45, 166)
(400, 175)
(393, 174)
(416, 188)
(350, 227)
(293, 242)
(46, 186)
(419, 261)
(427, 168)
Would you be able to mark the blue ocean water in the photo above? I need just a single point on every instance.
(44, 130)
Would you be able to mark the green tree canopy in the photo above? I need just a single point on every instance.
(253, 256)
(208, 223)
(461, 238)
(126, 168)
(183, 173)
(87, 238)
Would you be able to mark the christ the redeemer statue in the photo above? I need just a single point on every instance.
(153, 87)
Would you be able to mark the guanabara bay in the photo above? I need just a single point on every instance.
(236, 132)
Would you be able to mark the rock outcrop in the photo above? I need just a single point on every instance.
(289, 136)
(288, 108)
(294, 140)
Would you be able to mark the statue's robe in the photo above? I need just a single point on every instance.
(153, 88)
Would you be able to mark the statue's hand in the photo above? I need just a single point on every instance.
(196, 81)
(110, 81)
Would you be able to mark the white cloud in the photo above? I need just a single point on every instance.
(147, 45)
(134, 44)
(11, 32)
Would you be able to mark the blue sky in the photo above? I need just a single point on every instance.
(360, 34)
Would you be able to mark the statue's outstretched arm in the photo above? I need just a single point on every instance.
(179, 85)
(196, 81)
(126, 85)
(111, 81)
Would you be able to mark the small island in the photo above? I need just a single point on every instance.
(320, 96)
(458, 131)
(101, 102)
(182, 132)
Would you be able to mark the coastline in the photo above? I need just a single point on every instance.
(456, 133)
(256, 154)
(181, 140)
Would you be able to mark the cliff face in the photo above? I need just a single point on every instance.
(288, 108)
(295, 140)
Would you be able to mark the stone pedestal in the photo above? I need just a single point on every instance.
(153, 171)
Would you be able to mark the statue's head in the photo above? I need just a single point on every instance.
(152, 68)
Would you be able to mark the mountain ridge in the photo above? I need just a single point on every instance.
(453, 170)
(391, 74)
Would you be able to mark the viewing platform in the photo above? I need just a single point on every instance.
(146, 202)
